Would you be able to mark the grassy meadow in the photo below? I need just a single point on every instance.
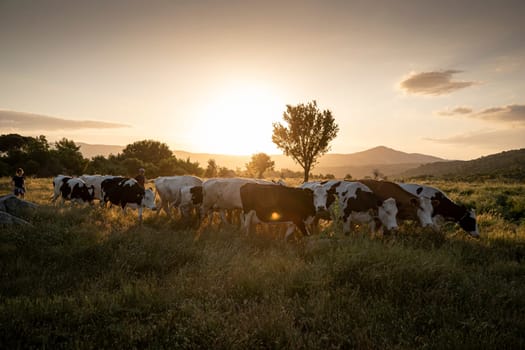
(91, 278)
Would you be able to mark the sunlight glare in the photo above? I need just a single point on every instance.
(238, 120)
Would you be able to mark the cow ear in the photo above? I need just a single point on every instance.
(414, 202)
(435, 202)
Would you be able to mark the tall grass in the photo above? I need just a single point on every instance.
(93, 278)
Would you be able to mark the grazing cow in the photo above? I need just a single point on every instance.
(170, 188)
(127, 192)
(190, 198)
(274, 203)
(96, 182)
(410, 207)
(223, 194)
(73, 189)
(358, 203)
(445, 208)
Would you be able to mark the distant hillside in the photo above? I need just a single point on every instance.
(508, 164)
(388, 161)
(89, 151)
(360, 164)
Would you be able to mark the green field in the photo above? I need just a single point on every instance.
(92, 278)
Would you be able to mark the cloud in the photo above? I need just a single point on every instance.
(456, 111)
(510, 114)
(35, 122)
(434, 83)
(514, 114)
(503, 139)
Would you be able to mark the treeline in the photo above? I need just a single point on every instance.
(40, 158)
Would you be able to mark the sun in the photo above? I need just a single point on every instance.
(238, 118)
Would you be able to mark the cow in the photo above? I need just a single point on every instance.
(271, 203)
(73, 189)
(445, 209)
(127, 192)
(358, 203)
(223, 194)
(96, 182)
(170, 188)
(190, 198)
(410, 206)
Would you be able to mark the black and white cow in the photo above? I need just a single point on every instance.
(445, 209)
(96, 182)
(72, 189)
(126, 192)
(271, 203)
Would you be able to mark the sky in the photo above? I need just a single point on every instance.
(444, 78)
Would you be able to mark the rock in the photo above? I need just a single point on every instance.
(8, 219)
(11, 204)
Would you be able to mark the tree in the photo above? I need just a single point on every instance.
(212, 169)
(307, 135)
(148, 151)
(70, 157)
(259, 163)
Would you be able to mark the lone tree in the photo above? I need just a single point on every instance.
(307, 135)
(259, 163)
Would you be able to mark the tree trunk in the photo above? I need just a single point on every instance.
(306, 174)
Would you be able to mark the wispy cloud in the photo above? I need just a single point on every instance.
(434, 83)
(514, 114)
(19, 121)
(456, 111)
(504, 139)
(510, 113)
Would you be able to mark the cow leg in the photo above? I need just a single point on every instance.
(290, 229)
(140, 215)
(247, 224)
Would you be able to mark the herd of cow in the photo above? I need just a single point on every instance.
(380, 204)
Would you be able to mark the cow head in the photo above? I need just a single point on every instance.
(387, 212)
(148, 200)
(320, 198)
(424, 210)
(468, 223)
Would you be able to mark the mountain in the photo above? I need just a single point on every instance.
(360, 164)
(508, 164)
(90, 151)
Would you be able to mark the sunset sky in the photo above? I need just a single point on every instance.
(445, 78)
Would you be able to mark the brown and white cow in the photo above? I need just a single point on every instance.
(356, 201)
(222, 194)
(271, 203)
(445, 209)
(410, 206)
(359, 204)
(73, 189)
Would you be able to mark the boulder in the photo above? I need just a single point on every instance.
(11, 204)
(8, 219)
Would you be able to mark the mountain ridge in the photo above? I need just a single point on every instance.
(358, 164)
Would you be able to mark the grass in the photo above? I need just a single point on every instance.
(92, 278)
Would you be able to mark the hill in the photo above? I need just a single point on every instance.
(359, 164)
(507, 164)
(90, 151)
(387, 160)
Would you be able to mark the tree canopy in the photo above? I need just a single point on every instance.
(307, 134)
(259, 163)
